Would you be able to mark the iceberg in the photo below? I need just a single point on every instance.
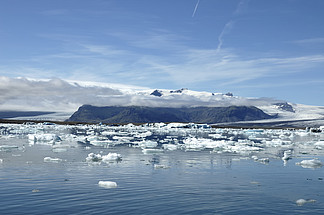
(48, 138)
(7, 147)
(301, 202)
(152, 151)
(107, 184)
(92, 157)
(287, 155)
(111, 157)
(314, 163)
(54, 160)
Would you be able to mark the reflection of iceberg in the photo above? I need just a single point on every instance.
(161, 166)
(314, 163)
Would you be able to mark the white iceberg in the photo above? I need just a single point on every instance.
(46, 138)
(107, 184)
(314, 163)
(170, 147)
(92, 157)
(8, 147)
(152, 151)
(111, 157)
(301, 202)
(287, 155)
(54, 160)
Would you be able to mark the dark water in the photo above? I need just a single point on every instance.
(191, 183)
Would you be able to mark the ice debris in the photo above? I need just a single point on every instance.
(92, 157)
(287, 155)
(301, 202)
(8, 147)
(111, 157)
(314, 163)
(261, 160)
(107, 184)
(54, 160)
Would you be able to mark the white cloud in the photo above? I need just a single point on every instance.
(317, 40)
(62, 96)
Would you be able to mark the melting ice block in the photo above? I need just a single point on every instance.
(55, 160)
(287, 155)
(111, 157)
(107, 184)
(314, 163)
(301, 202)
(92, 157)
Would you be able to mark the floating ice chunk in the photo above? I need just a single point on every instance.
(111, 157)
(145, 134)
(170, 147)
(255, 158)
(161, 166)
(152, 151)
(7, 147)
(319, 145)
(54, 160)
(107, 184)
(92, 157)
(43, 138)
(1, 160)
(287, 155)
(261, 160)
(148, 144)
(314, 163)
(301, 202)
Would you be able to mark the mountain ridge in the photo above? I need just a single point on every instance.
(143, 114)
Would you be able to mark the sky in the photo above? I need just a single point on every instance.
(252, 48)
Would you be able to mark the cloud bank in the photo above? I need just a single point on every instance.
(66, 96)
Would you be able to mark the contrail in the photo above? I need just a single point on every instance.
(227, 28)
(194, 12)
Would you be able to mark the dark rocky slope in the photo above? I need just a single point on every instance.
(138, 114)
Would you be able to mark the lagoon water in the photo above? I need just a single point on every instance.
(166, 182)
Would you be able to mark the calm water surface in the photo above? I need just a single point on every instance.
(192, 183)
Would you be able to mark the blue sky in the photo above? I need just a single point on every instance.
(253, 48)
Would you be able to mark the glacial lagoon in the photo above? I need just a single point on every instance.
(159, 169)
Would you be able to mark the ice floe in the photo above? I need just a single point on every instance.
(92, 157)
(314, 163)
(111, 157)
(54, 160)
(301, 202)
(107, 184)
